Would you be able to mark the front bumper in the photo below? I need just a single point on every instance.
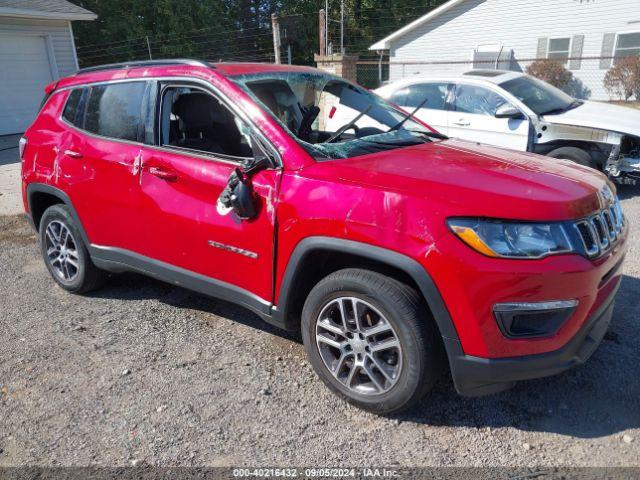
(475, 376)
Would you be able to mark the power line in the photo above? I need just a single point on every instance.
(156, 45)
(179, 36)
(161, 36)
(202, 46)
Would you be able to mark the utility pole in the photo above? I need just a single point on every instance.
(322, 19)
(275, 26)
(149, 48)
(342, 27)
(326, 26)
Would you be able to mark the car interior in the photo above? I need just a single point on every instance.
(195, 120)
(310, 113)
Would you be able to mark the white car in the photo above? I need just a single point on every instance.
(517, 111)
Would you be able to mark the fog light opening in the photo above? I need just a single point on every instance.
(533, 319)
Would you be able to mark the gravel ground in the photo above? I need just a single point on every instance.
(10, 189)
(145, 373)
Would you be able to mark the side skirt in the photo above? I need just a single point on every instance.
(120, 260)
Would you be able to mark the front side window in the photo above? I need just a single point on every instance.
(559, 49)
(539, 96)
(330, 117)
(115, 110)
(628, 45)
(195, 120)
(477, 100)
(413, 95)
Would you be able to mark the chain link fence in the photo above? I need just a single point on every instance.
(587, 83)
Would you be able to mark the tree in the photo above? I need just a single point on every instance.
(551, 71)
(623, 79)
(208, 29)
(233, 29)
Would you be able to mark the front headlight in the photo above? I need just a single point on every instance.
(508, 239)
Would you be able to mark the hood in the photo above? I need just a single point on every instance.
(467, 179)
(602, 116)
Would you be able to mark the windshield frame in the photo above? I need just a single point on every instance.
(418, 132)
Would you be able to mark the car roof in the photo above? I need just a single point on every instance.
(476, 76)
(150, 68)
(241, 68)
(493, 76)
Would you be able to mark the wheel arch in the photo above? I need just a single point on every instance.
(315, 257)
(41, 196)
(599, 152)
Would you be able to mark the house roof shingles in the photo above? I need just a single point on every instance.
(45, 8)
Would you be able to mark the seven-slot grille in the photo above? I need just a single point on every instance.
(600, 231)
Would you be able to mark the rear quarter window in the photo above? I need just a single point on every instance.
(116, 110)
(72, 112)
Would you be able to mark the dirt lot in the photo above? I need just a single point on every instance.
(141, 372)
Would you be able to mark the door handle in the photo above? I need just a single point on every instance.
(72, 154)
(462, 123)
(163, 174)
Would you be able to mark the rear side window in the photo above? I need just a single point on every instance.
(73, 109)
(414, 95)
(116, 110)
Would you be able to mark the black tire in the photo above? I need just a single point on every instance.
(574, 154)
(421, 349)
(86, 276)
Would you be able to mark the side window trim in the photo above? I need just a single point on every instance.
(450, 98)
(148, 113)
(82, 107)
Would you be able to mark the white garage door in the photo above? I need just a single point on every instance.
(24, 72)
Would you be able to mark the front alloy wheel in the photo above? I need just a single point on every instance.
(371, 340)
(359, 346)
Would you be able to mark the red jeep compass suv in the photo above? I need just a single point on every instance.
(319, 206)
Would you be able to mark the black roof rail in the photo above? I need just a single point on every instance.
(146, 63)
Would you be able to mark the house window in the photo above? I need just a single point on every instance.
(628, 45)
(559, 49)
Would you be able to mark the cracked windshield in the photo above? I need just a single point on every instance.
(332, 118)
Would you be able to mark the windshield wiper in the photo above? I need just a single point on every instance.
(430, 135)
(336, 135)
(409, 116)
(555, 111)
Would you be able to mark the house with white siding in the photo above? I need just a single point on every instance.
(586, 35)
(36, 47)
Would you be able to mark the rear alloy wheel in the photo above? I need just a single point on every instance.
(371, 340)
(62, 251)
(65, 253)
